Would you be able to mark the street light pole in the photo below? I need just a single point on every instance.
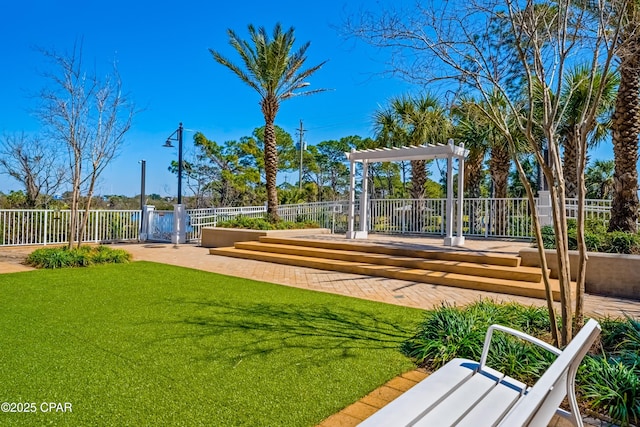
(178, 137)
(143, 174)
(179, 213)
(180, 164)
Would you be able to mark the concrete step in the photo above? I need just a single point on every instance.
(512, 287)
(526, 274)
(453, 255)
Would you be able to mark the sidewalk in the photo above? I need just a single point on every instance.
(392, 291)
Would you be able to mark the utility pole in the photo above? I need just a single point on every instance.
(301, 142)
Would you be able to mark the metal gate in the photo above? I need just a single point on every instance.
(160, 226)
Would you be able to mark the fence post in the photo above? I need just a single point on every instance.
(544, 210)
(97, 226)
(46, 228)
(179, 224)
(145, 226)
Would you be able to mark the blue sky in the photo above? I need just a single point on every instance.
(163, 58)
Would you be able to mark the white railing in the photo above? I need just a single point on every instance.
(497, 218)
(332, 215)
(210, 217)
(508, 218)
(407, 216)
(43, 227)
(595, 209)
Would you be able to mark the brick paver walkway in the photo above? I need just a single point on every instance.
(393, 291)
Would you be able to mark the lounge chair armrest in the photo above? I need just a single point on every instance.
(519, 334)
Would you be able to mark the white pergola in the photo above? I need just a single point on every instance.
(421, 152)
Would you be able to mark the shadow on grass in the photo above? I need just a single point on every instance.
(257, 329)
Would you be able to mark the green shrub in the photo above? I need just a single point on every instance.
(245, 222)
(449, 332)
(597, 238)
(595, 241)
(607, 385)
(83, 256)
(548, 237)
(611, 386)
(619, 242)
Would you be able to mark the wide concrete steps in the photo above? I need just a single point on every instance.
(525, 274)
(464, 256)
(459, 269)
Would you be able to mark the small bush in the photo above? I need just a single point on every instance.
(241, 221)
(449, 332)
(597, 238)
(611, 386)
(83, 256)
(619, 242)
(548, 237)
(607, 385)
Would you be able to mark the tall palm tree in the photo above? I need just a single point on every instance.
(481, 136)
(470, 131)
(574, 99)
(626, 125)
(274, 70)
(412, 121)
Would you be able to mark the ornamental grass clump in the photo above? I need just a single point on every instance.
(608, 381)
(449, 332)
(83, 256)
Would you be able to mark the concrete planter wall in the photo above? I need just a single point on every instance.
(214, 237)
(616, 275)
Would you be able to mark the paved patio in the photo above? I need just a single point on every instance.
(393, 291)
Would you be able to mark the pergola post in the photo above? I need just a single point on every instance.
(352, 199)
(364, 203)
(448, 240)
(459, 239)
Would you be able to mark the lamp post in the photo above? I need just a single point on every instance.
(144, 228)
(177, 136)
(179, 213)
(143, 174)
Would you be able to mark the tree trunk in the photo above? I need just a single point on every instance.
(553, 323)
(499, 165)
(626, 127)
(555, 180)
(582, 244)
(269, 109)
(570, 166)
(473, 175)
(418, 178)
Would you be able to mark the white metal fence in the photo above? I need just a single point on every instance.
(42, 227)
(508, 218)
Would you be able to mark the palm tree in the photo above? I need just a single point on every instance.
(574, 98)
(626, 125)
(470, 131)
(481, 136)
(273, 70)
(412, 121)
(599, 179)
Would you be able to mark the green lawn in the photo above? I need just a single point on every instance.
(150, 344)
